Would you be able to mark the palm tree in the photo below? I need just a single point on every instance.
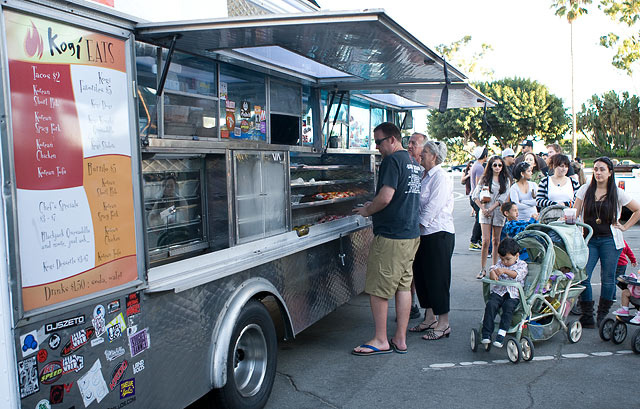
(572, 9)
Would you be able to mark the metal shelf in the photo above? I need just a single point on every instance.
(172, 226)
(171, 199)
(329, 182)
(322, 202)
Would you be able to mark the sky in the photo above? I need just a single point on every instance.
(528, 40)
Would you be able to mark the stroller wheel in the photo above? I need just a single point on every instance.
(574, 331)
(514, 352)
(474, 340)
(635, 342)
(526, 345)
(606, 329)
(619, 333)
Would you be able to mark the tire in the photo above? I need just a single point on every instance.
(606, 329)
(251, 363)
(514, 352)
(619, 333)
(474, 340)
(574, 331)
(528, 351)
(635, 342)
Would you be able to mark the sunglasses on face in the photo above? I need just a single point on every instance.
(497, 165)
(379, 141)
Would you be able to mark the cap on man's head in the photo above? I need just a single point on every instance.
(528, 142)
(478, 151)
(508, 152)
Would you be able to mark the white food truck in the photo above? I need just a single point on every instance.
(177, 196)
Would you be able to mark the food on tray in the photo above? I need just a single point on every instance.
(329, 218)
(333, 195)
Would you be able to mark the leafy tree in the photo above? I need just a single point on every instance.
(611, 123)
(626, 12)
(524, 108)
(571, 9)
(463, 55)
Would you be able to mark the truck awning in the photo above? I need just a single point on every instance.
(363, 52)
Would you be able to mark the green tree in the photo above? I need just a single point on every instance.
(571, 9)
(611, 122)
(465, 56)
(524, 108)
(626, 12)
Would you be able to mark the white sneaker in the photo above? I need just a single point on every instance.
(636, 319)
(485, 341)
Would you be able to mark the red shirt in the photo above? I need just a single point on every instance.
(626, 252)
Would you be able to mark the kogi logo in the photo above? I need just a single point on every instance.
(117, 374)
(51, 372)
(112, 354)
(71, 322)
(72, 363)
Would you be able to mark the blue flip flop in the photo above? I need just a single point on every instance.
(396, 349)
(374, 351)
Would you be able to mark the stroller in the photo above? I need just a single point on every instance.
(557, 258)
(615, 329)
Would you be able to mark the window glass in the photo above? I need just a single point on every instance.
(243, 96)
(192, 74)
(186, 115)
(338, 131)
(378, 116)
(146, 81)
(285, 98)
(358, 124)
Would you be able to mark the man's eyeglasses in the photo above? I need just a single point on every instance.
(379, 141)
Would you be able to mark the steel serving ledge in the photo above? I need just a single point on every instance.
(209, 267)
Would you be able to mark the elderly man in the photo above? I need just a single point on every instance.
(396, 230)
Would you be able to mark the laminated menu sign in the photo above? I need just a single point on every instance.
(72, 155)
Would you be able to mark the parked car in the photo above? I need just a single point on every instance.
(458, 168)
(626, 165)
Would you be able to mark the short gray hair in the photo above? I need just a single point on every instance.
(424, 137)
(437, 148)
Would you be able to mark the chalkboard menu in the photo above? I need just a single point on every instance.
(72, 156)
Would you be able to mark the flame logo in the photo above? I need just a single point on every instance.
(33, 42)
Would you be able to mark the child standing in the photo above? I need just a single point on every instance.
(622, 261)
(509, 267)
(628, 291)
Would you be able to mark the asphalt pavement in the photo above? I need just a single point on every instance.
(316, 370)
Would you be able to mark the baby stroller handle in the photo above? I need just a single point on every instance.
(589, 230)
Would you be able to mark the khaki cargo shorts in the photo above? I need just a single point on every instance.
(389, 268)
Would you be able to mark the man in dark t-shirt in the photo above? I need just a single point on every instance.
(396, 230)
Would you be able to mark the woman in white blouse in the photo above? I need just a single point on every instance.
(432, 264)
(557, 188)
(523, 192)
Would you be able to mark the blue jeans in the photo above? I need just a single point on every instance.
(602, 248)
(494, 303)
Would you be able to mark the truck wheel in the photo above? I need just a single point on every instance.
(251, 364)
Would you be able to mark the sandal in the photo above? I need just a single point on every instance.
(422, 327)
(431, 335)
(482, 274)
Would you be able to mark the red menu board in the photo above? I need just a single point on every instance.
(72, 155)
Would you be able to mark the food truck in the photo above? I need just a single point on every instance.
(178, 196)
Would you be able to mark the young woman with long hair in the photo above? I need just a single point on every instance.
(495, 182)
(600, 205)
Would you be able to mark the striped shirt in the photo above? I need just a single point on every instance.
(542, 198)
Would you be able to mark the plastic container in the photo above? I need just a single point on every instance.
(295, 199)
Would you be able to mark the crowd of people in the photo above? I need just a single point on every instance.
(414, 234)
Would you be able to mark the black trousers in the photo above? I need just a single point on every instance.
(432, 271)
(476, 233)
(494, 303)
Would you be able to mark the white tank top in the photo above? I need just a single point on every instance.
(560, 194)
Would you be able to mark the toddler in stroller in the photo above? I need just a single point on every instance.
(630, 293)
(508, 267)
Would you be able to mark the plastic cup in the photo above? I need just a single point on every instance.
(570, 216)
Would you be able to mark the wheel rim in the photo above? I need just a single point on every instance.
(607, 329)
(619, 332)
(575, 332)
(635, 346)
(473, 340)
(512, 351)
(250, 360)
(526, 349)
